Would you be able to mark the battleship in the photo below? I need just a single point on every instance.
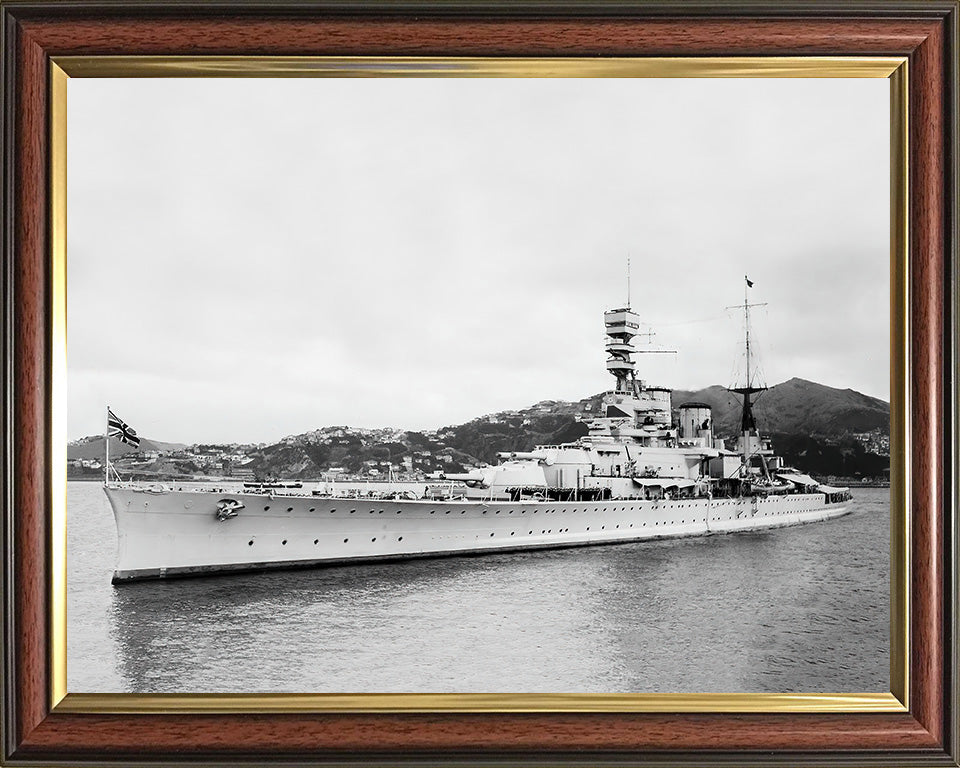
(639, 473)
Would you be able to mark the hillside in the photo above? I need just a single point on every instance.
(813, 425)
(452, 448)
(796, 406)
(92, 447)
(812, 422)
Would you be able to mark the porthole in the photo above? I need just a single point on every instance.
(284, 542)
(250, 543)
(331, 511)
(346, 540)
(588, 527)
(447, 512)
(373, 539)
(512, 532)
(352, 511)
(316, 541)
(491, 534)
(399, 538)
(314, 509)
(266, 508)
(289, 509)
(398, 511)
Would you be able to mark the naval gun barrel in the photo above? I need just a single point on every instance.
(469, 478)
(530, 455)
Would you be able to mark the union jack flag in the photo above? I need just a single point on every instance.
(120, 430)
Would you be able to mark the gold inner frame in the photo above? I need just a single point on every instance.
(892, 68)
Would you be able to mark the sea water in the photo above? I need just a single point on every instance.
(800, 609)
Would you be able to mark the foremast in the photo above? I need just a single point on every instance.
(621, 325)
(632, 411)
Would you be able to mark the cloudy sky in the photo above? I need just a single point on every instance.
(255, 258)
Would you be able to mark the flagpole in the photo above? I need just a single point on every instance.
(106, 447)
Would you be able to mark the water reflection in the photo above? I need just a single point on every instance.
(376, 627)
(799, 609)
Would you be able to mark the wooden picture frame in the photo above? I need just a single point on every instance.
(40, 728)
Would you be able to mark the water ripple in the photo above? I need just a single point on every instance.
(802, 609)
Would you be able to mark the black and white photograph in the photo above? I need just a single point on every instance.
(469, 385)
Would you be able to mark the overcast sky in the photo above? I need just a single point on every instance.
(255, 258)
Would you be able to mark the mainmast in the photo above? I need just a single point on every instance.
(748, 424)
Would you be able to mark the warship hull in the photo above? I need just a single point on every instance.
(166, 534)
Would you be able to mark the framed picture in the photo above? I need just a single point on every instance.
(401, 203)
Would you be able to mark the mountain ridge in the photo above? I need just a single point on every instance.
(817, 420)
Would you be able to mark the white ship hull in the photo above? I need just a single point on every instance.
(178, 533)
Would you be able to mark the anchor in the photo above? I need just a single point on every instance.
(227, 508)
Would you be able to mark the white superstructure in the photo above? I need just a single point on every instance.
(637, 474)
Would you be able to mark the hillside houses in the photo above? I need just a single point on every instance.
(847, 432)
